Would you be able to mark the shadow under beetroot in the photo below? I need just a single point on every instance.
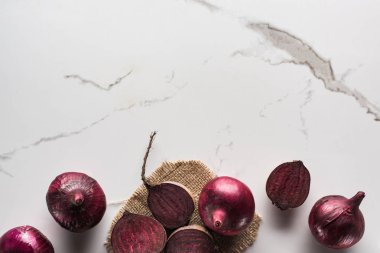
(283, 219)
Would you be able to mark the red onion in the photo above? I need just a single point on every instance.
(134, 233)
(226, 206)
(336, 221)
(288, 185)
(190, 239)
(25, 239)
(76, 201)
(171, 203)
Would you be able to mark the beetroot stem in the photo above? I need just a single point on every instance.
(143, 178)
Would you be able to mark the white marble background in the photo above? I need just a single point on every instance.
(242, 85)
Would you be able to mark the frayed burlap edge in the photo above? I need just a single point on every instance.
(194, 175)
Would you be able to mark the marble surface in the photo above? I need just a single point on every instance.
(241, 85)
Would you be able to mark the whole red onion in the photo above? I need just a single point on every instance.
(226, 205)
(25, 239)
(336, 221)
(135, 233)
(76, 201)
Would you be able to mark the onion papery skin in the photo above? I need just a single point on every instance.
(336, 221)
(171, 204)
(76, 201)
(25, 239)
(190, 239)
(226, 206)
(134, 233)
(288, 185)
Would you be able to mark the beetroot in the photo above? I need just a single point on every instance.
(190, 239)
(288, 185)
(134, 233)
(171, 203)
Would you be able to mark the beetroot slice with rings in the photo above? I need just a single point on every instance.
(190, 239)
(134, 233)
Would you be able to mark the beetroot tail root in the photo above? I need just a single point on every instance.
(171, 203)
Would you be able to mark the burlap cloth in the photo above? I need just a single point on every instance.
(194, 175)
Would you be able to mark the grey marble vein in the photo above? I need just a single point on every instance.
(170, 77)
(349, 72)
(227, 145)
(308, 98)
(144, 103)
(153, 101)
(150, 102)
(107, 87)
(219, 146)
(304, 54)
(266, 106)
(218, 149)
(226, 129)
(4, 157)
(10, 154)
(5, 172)
(124, 108)
(206, 61)
(206, 4)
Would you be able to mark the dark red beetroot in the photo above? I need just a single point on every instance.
(171, 203)
(226, 206)
(134, 233)
(76, 201)
(336, 221)
(25, 239)
(288, 185)
(190, 239)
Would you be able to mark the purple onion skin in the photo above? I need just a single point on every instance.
(134, 233)
(25, 239)
(226, 206)
(288, 185)
(190, 239)
(171, 204)
(76, 201)
(336, 221)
